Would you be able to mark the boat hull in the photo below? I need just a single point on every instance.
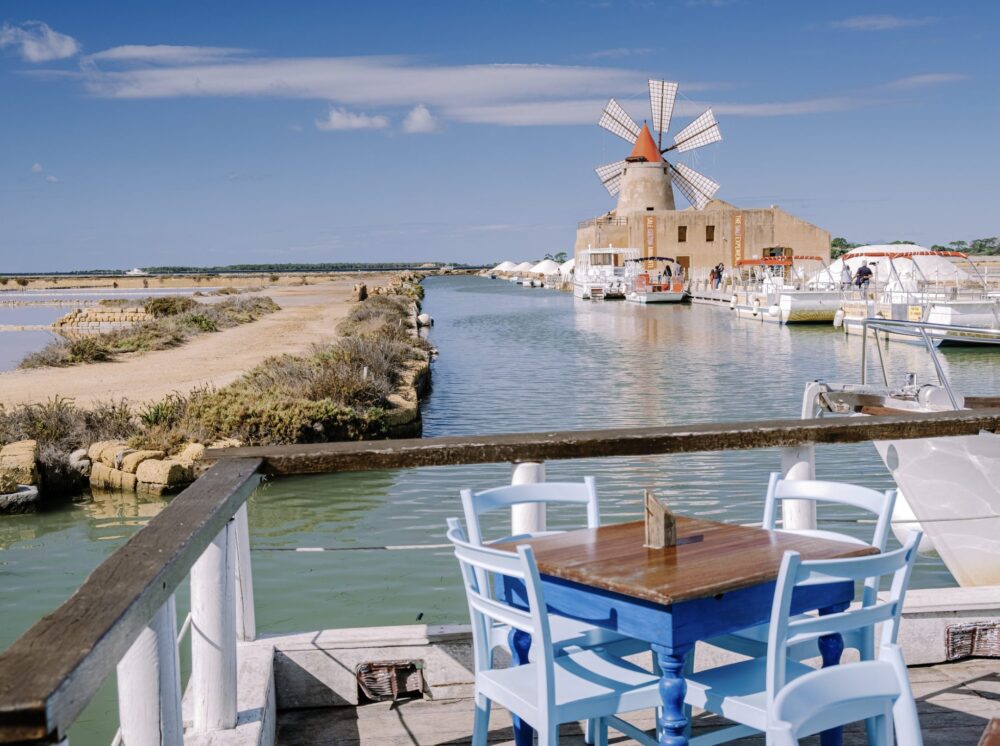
(952, 486)
(670, 296)
(788, 307)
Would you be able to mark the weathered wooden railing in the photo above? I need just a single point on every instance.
(123, 614)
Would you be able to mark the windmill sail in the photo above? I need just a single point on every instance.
(661, 104)
(617, 121)
(610, 175)
(698, 188)
(702, 131)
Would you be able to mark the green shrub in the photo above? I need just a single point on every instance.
(22, 281)
(201, 322)
(167, 412)
(53, 355)
(56, 421)
(87, 350)
(169, 305)
(4, 280)
(110, 420)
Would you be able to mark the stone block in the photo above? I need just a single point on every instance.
(100, 475)
(192, 452)
(167, 472)
(8, 484)
(20, 461)
(131, 461)
(94, 452)
(112, 455)
(24, 499)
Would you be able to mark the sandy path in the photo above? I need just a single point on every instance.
(308, 315)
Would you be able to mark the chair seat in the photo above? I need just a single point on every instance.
(737, 691)
(588, 684)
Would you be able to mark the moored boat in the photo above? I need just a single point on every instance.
(775, 288)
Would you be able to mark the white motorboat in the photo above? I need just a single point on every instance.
(943, 288)
(657, 279)
(775, 288)
(948, 487)
(604, 274)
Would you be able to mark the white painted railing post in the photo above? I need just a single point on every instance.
(527, 518)
(246, 621)
(149, 684)
(213, 634)
(799, 462)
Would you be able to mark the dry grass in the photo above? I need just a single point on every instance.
(177, 319)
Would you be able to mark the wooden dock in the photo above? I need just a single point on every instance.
(955, 702)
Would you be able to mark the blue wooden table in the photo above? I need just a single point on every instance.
(719, 579)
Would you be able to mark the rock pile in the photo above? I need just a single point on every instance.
(100, 318)
(116, 466)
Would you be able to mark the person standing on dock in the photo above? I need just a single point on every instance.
(863, 277)
(845, 277)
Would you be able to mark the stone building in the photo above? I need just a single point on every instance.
(646, 218)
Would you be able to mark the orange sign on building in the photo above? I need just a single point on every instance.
(738, 235)
(649, 241)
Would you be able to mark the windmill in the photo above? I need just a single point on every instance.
(704, 130)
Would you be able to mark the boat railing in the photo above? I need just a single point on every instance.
(122, 617)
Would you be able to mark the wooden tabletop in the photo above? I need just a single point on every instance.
(725, 558)
(991, 736)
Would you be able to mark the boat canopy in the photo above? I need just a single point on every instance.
(545, 267)
(907, 266)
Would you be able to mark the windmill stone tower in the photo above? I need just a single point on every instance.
(645, 180)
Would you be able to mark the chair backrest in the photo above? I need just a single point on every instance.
(481, 571)
(839, 493)
(784, 632)
(845, 694)
(476, 504)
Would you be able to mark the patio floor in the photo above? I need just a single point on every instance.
(955, 701)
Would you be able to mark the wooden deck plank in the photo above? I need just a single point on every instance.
(945, 720)
(547, 446)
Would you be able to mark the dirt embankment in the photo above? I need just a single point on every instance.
(309, 315)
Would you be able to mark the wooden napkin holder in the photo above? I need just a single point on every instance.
(661, 525)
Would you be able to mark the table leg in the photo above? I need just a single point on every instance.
(520, 645)
(673, 721)
(830, 648)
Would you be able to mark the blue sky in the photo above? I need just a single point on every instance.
(213, 133)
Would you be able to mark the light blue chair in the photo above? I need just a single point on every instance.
(568, 635)
(745, 692)
(753, 641)
(550, 690)
(872, 690)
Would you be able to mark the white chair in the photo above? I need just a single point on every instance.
(567, 634)
(871, 690)
(744, 692)
(753, 641)
(550, 690)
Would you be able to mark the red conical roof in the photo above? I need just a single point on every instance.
(645, 147)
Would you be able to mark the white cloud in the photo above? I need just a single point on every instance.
(37, 42)
(166, 54)
(340, 118)
(52, 179)
(620, 52)
(925, 79)
(790, 108)
(881, 22)
(420, 120)
(37, 168)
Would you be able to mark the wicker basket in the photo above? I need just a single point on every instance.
(390, 680)
(975, 639)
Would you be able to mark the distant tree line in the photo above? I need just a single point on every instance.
(840, 246)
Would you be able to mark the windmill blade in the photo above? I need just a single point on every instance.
(617, 121)
(661, 104)
(610, 175)
(702, 131)
(698, 188)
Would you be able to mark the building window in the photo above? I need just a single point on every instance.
(650, 209)
(682, 234)
(709, 233)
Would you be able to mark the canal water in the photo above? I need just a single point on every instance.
(511, 359)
